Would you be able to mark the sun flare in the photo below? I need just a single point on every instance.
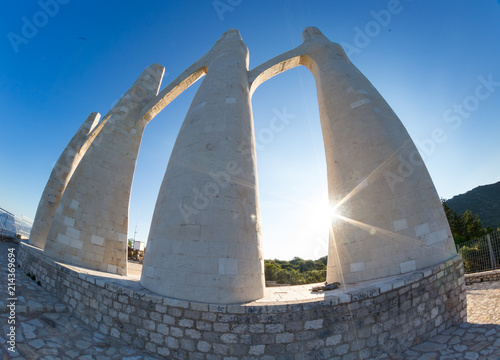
(322, 213)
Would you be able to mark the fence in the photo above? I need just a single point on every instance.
(12, 226)
(23, 226)
(481, 254)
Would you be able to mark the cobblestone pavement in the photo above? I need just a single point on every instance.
(45, 329)
(483, 303)
(479, 338)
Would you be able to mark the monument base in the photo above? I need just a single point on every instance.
(367, 320)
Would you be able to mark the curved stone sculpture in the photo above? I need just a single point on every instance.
(205, 241)
(391, 220)
(386, 224)
(59, 177)
(389, 217)
(91, 222)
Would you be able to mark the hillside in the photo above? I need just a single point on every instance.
(483, 201)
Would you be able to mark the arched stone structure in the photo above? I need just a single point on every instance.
(386, 224)
(205, 242)
(90, 225)
(59, 178)
(389, 217)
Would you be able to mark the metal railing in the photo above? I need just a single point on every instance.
(481, 254)
(12, 226)
(23, 226)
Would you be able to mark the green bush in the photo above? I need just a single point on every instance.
(296, 271)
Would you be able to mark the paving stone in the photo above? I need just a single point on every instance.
(490, 332)
(37, 343)
(455, 340)
(28, 334)
(468, 336)
(460, 348)
(429, 356)
(459, 332)
(442, 339)
(411, 352)
(479, 346)
(429, 346)
(80, 344)
(471, 355)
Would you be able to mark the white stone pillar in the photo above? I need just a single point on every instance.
(391, 218)
(59, 178)
(205, 241)
(91, 222)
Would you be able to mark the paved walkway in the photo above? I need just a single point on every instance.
(479, 338)
(45, 328)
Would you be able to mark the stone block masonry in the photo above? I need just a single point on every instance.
(366, 322)
(493, 275)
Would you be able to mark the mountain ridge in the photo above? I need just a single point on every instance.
(483, 200)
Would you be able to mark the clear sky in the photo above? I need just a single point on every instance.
(63, 60)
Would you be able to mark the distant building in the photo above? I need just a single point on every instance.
(139, 245)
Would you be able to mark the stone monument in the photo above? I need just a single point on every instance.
(90, 225)
(201, 294)
(208, 247)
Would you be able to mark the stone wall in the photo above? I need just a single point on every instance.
(363, 323)
(492, 275)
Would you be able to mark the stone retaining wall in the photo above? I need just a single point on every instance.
(492, 275)
(364, 323)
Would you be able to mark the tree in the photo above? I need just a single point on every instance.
(271, 270)
(296, 271)
(464, 227)
(472, 225)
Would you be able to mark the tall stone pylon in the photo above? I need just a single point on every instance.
(389, 219)
(205, 241)
(91, 222)
(389, 216)
(59, 177)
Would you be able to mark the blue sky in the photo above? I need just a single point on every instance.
(427, 59)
